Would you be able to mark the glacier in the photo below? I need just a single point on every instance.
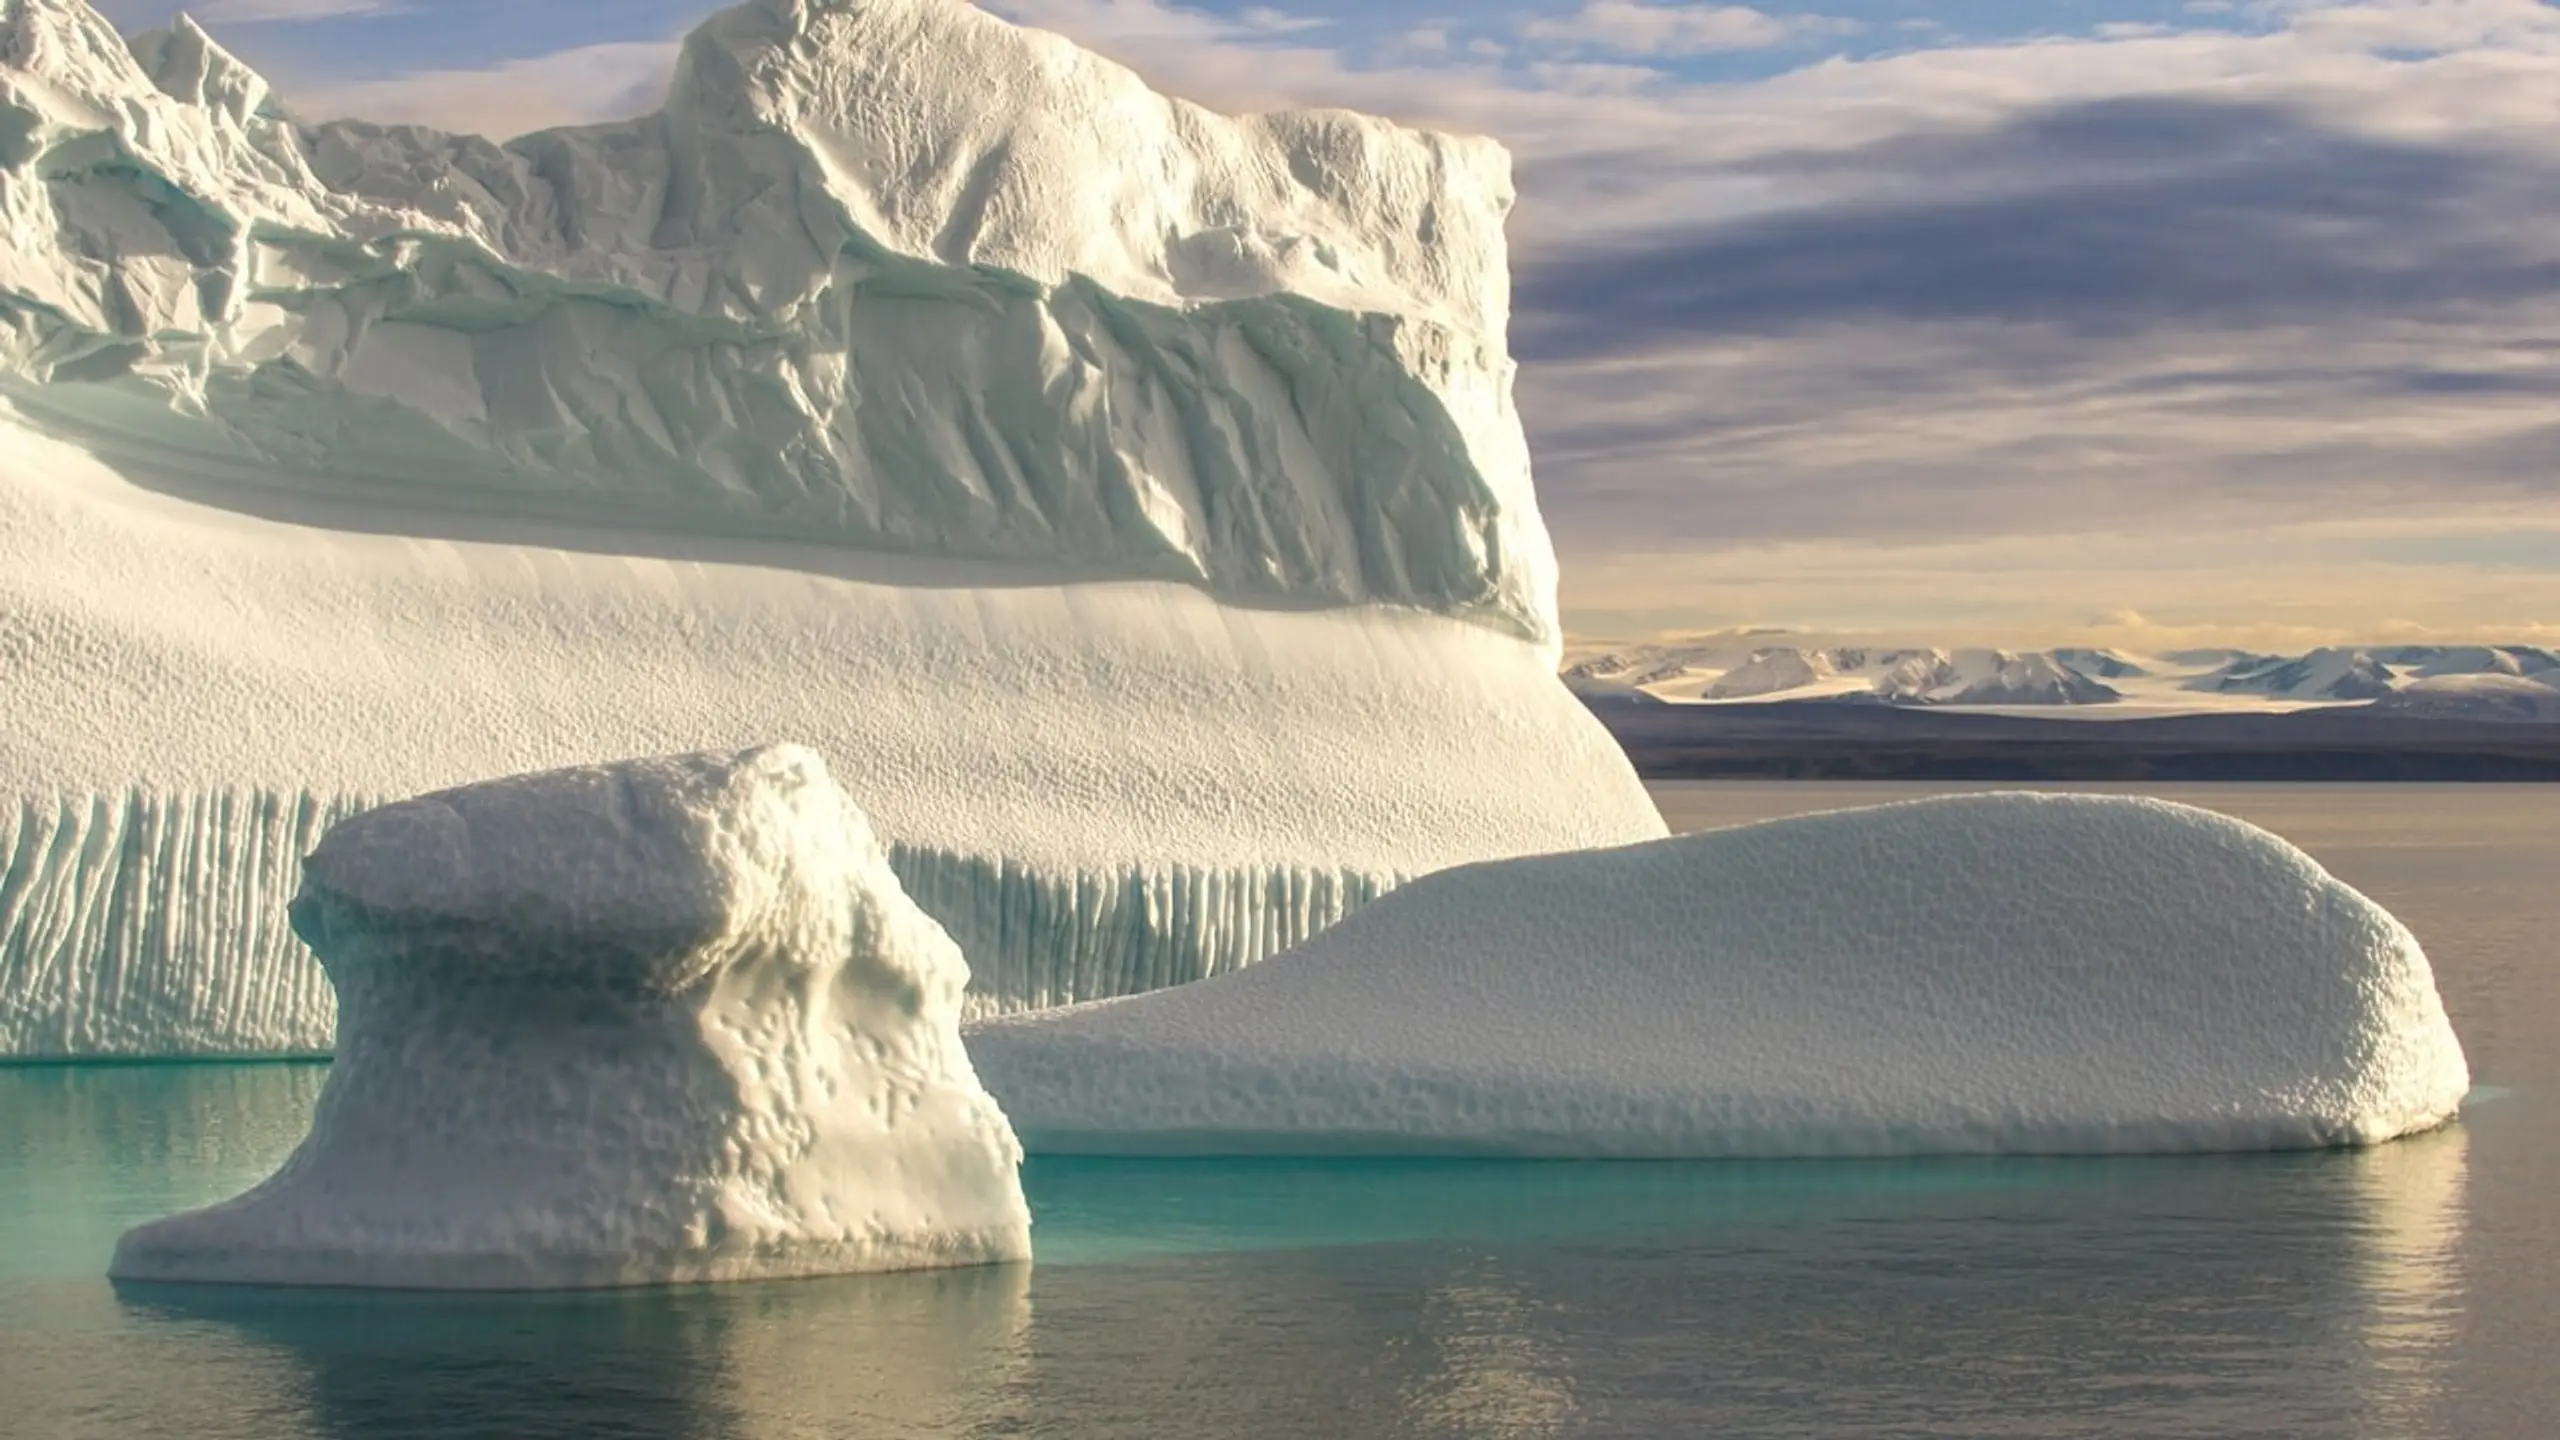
(1996, 973)
(651, 1022)
(1128, 499)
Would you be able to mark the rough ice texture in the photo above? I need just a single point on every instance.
(889, 272)
(1991, 973)
(668, 1020)
(1133, 492)
(154, 926)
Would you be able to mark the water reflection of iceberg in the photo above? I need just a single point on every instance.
(1492, 1370)
(2310, 1294)
(2315, 1294)
(930, 1353)
(2414, 1197)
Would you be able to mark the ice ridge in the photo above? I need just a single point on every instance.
(895, 274)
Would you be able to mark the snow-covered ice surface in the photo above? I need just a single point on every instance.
(666, 1020)
(2022, 973)
(1128, 497)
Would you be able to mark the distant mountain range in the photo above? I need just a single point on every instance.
(2472, 682)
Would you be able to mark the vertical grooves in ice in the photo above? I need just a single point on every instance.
(1038, 938)
(149, 924)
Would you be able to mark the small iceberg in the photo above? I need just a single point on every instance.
(668, 1020)
(1996, 973)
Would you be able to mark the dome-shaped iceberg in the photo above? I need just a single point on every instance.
(1992, 973)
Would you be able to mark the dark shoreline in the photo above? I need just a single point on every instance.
(1825, 741)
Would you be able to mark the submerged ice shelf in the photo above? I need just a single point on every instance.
(665, 1020)
(1145, 526)
(1999, 973)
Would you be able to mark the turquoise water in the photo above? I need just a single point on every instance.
(2409, 1291)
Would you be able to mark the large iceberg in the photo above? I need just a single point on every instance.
(668, 1020)
(1135, 492)
(2017, 973)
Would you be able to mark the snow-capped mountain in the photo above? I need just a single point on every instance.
(2455, 681)
(1990, 677)
(2329, 673)
(2477, 697)
(1895, 676)
(2433, 661)
(2103, 664)
(2448, 672)
(1852, 672)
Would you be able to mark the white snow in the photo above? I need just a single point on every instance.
(1770, 672)
(2329, 673)
(2069, 683)
(1719, 672)
(2481, 696)
(2012, 972)
(668, 1020)
(1128, 496)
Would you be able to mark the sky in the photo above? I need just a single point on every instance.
(2137, 322)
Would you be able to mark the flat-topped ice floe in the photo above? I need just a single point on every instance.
(670, 1020)
(1998, 973)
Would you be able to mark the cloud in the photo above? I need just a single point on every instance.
(567, 87)
(253, 12)
(1268, 21)
(2103, 219)
(2285, 593)
(2428, 26)
(2100, 329)
(1651, 27)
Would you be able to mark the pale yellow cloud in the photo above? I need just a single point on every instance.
(2287, 589)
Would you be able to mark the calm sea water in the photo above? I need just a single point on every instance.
(2410, 1291)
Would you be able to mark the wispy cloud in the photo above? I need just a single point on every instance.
(2102, 219)
(2426, 26)
(255, 12)
(2286, 592)
(1653, 27)
(567, 87)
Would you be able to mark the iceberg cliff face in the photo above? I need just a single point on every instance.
(660, 1021)
(893, 273)
(2010, 973)
(1129, 497)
